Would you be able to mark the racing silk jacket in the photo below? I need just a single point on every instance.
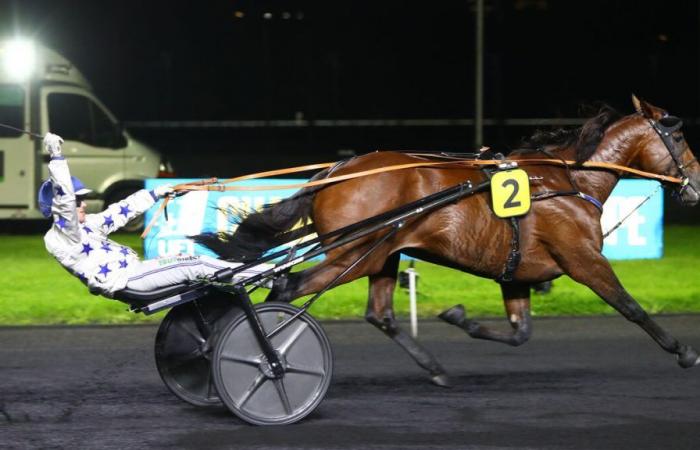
(84, 249)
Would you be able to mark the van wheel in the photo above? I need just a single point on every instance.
(135, 225)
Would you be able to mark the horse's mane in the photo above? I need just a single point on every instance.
(584, 139)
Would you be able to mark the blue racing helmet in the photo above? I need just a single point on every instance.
(46, 194)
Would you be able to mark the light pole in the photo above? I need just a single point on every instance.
(479, 77)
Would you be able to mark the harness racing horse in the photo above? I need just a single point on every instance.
(561, 234)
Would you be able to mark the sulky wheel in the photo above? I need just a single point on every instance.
(183, 349)
(243, 377)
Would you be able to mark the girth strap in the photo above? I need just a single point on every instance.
(513, 259)
(514, 256)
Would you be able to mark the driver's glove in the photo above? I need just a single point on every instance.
(52, 144)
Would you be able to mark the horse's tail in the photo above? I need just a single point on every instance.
(263, 230)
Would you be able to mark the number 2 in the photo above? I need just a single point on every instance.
(516, 187)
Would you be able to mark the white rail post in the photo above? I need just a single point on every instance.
(412, 300)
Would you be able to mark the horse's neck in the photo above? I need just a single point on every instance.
(619, 146)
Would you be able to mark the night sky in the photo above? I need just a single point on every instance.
(244, 60)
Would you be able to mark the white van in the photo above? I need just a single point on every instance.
(41, 91)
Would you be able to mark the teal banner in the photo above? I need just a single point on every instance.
(204, 211)
(639, 237)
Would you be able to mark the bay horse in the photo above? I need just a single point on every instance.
(559, 235)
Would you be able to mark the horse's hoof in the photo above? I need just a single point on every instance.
(278, 290)
(471, 327)
(279, 284)
(688, 357)
(441, 380)
(454, 315)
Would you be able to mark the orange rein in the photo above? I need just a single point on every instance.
(213, 184)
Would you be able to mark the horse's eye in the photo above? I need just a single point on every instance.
(678, 138)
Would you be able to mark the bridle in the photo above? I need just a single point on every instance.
(665, 128)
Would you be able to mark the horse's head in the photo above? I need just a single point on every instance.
(664, 150)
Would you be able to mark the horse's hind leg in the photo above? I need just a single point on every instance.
(597, 274)
(516, 297)
(381, 314)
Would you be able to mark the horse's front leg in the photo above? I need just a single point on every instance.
(597, 274)
(516, 297)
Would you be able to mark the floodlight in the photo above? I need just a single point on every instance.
(19, 58)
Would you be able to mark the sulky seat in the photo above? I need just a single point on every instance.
(132, 296)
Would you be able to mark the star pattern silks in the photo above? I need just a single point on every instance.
(124, 210)
(104, 270)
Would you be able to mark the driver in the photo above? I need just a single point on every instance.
(79, 241)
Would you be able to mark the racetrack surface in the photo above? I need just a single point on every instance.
(581, 383)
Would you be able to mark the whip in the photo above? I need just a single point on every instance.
(10, 127)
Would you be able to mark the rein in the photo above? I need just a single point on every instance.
(216, 185)
(213, 184)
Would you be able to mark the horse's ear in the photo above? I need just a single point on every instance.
(644, 108)
(637, 104)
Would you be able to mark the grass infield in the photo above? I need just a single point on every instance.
(37, 290)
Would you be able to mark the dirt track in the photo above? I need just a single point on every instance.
(579, 384)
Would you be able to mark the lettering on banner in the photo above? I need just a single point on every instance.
(173, 247)
(615, 209)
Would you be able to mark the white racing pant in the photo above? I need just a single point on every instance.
(157, 273)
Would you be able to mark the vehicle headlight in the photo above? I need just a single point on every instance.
(19, 59)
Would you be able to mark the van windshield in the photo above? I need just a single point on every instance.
(77, 118)
(11, 109)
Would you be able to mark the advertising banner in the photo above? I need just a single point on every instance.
(203, 211)
(639, 237)
(641, 234)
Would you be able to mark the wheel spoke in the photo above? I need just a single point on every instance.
(298, 368)
(255, 362)
(279, 384)
(254, 386)
(176, 361)
(196, 336)
(210, 386)
(287, 344)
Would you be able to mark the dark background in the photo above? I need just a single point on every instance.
(223, 60)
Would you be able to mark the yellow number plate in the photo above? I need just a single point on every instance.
(510, 193)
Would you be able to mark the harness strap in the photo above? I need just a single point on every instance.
(550, 194)
(514, 256)
(593, 200)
